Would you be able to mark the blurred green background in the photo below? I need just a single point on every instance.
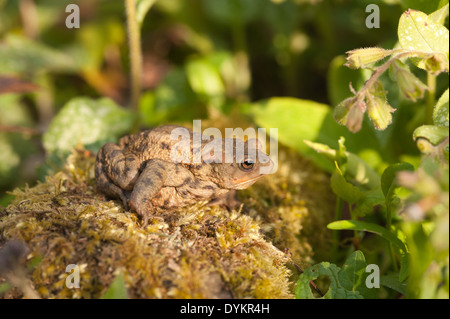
(197, 54)
(278, 63)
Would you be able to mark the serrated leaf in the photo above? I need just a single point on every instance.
(378, 109)
(416, 31)
(350, 113)
(335, 291)
(441, 111)
(361, 58)
(88, 122)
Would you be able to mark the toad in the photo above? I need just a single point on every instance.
(164, 168)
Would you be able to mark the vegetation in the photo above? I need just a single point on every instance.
(310, 68)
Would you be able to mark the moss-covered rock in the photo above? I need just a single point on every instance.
(198, 252)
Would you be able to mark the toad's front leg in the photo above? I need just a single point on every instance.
(155, 175)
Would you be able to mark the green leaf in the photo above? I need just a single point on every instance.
(356, 168)
(378, 109)
(117, 290)
(21, 55)
(439, 15)
(344, 189)
(205, 80)
(298, 120)
(172, 100)
(353, 275)
(142, 7)
(441, 111)
(369, 227)
(14, 147)
(350, 113)
(404, 267)
(392, 281)
(335, 291)
(388, 179)
(410, 86)
(86, 121)
(416, 31)
(362, 58)
(368, 201)
(434, 134)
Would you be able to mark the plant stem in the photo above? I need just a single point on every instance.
(383, 68)
(388, 226)
(430, 98)
(355, 232)
(135, 53)
(335, 235)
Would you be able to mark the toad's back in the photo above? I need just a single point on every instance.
(155, 143)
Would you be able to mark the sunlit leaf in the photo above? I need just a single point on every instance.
(434, 134)
(344, 189)
(378, 109)
(369, 227)
(416, 31)
(88, 122)
(439, 15)
(298, 120)
(441, 111)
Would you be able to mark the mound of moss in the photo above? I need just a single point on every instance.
(197, 252)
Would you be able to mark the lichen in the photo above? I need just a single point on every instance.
(199, 251)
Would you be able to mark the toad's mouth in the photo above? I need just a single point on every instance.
(245, 182)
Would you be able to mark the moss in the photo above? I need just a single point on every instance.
(198, 252)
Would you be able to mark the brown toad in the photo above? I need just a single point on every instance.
(163, 168)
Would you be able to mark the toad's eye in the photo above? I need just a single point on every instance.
(246, 165)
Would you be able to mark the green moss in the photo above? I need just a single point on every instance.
(196, 252)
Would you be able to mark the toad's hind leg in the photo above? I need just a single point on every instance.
(121, 167)
(105, 185)
(149, 183)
